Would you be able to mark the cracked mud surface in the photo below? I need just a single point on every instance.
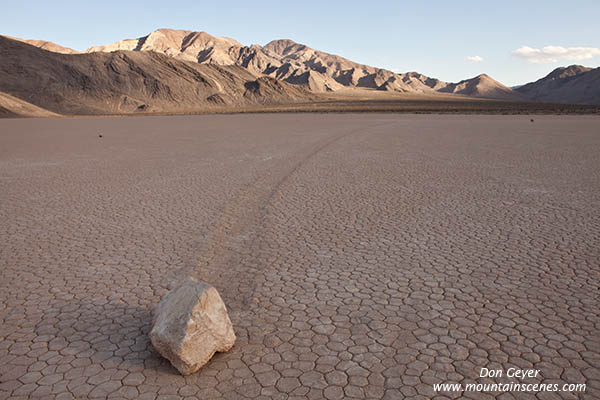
(360, 256)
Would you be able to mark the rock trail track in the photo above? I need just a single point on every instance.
(241, 223)
(360, 256)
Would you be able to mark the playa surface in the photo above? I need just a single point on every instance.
(360, 255)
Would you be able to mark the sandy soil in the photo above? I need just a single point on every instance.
(360, 255)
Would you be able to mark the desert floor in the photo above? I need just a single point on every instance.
(360, 255)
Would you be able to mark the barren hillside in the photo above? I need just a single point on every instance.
(128, 81)
(11, 106)
(573, 85)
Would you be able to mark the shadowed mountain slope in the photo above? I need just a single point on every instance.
(570, 85)
(11, 106)
(128, 81)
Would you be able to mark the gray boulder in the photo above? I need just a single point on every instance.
(190, 325)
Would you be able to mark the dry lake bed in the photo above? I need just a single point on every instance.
(360, 255)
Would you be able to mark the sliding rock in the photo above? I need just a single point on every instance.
(190, 325)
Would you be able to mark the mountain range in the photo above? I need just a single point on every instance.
(184, 71)
(297, 64)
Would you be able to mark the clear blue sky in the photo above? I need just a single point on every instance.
(433, 38)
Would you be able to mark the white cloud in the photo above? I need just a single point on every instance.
(552, 54)
(474, 58)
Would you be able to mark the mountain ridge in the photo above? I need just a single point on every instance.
(291, 62)
(45, 45)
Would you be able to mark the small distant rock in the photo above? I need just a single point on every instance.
(100, 135)
(190, 325)
(531, 119)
